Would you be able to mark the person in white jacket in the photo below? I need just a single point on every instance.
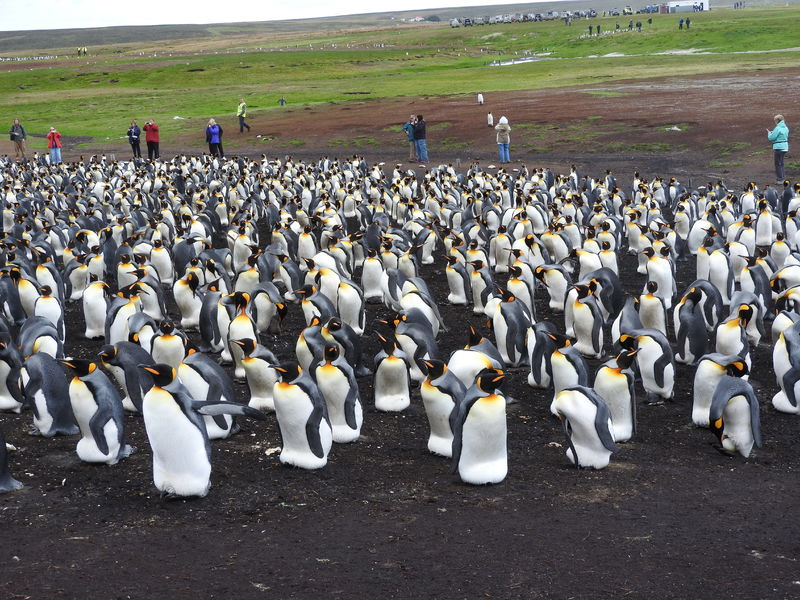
(503, 130)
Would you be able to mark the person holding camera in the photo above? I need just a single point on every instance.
(408, 129)
(779, 137)
(214, 138)
(54, 146)
(151, 137)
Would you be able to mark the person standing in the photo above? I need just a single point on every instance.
(133, 139)
(151, 137)
(214, 138)
(241, 112)
(779, 137)
(54, 145)
(503, 130)
(408, 128)
(18, 135)
(419, 139)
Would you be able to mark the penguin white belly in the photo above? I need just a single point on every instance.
(737, 433)
(189, 306)
(50, 310)
(240, 328)
(484, 456)
(334, 386)
(409, 346)
(649, 353)
(84, 408)
(198, 389)
(580, 413)
(292, 409)
(391, 385)
(613, 388)
(119, 330)
(651, 313)
(260, 380)
(180, 463)
(564, 374)
(45, 420)
(706, 378)
(466, 364)
(583, 327)
(557, 288)
(7, 401)
(94, 313)
(438, 407)
(169, 349)
(455, 282)
(350, 308)
(371, 279)
(729, 341)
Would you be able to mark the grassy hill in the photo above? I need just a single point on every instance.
(195, 77)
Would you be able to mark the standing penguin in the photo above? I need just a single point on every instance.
(189, 300)
(338, 386)
(170, 345)
(734, 416)
(458, 280)
(95, 307)
(655, 361)
(302, 418)
(391, 378)
(47, 393)
(587, 426)
(98, 411)
(177, 434)
(540, 349)
(260, 373)
(206, 381)
(11, 398)
(614, 384)
(480, 454)
(7, 482)
(441, 391)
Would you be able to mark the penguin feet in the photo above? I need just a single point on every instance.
(33, 430)
(654, 399)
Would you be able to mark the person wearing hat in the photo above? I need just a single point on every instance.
(54, 146)
(779, 137)
(18, 135)
(503, 130)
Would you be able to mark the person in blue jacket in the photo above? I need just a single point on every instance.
(779, 137)
(408, 128)
(133, 139)
(214, 138)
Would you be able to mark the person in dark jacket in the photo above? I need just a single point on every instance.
(151, 137)
(419, 139)
(18, 135)
(214, 138)
(133, 139)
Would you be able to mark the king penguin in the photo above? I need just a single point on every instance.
(338, 386)
(98, 411)
(480, 454)
(613, 382)
(260, 373)
(587, 426)
(122, 361)
(391, 379)
(47, 393)
(734, 416)
(441, 391)
(302, 419)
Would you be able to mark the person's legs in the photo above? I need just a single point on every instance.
(412, 150)
(149, 150)
(506, 153)
(155, 148)
(422, 151)
(780, 175)
(500, 151)
(55, 155)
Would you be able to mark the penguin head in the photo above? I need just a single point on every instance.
(45, 290)
(305, 291)
(248, 345)
(80, 366)
(652, 287)
(288, 371)
(387, 343)
(737, 368)
(331, 353)
(333, 324)
(488, 380)
(694, 295)
(162, 374)
(665, 250)
(433, 367)
(107, 352)
(628, 342)
(649, 252)
(166, 327)
(625, 359)
(745, 314)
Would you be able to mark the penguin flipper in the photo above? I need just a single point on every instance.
(97, 426)
(601, 420)
(789, 379)
(312, 432)
(223, 407)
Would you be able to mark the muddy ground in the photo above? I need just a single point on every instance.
(671, 517)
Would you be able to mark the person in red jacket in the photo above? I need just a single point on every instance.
(151, 137)
(54, 145)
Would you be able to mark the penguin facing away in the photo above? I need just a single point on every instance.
(587, 426)
(47, 393)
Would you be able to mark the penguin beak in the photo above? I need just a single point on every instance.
(148, 369)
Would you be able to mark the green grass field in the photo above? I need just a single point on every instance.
(191, 78)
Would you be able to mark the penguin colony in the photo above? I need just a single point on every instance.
(236, 245)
